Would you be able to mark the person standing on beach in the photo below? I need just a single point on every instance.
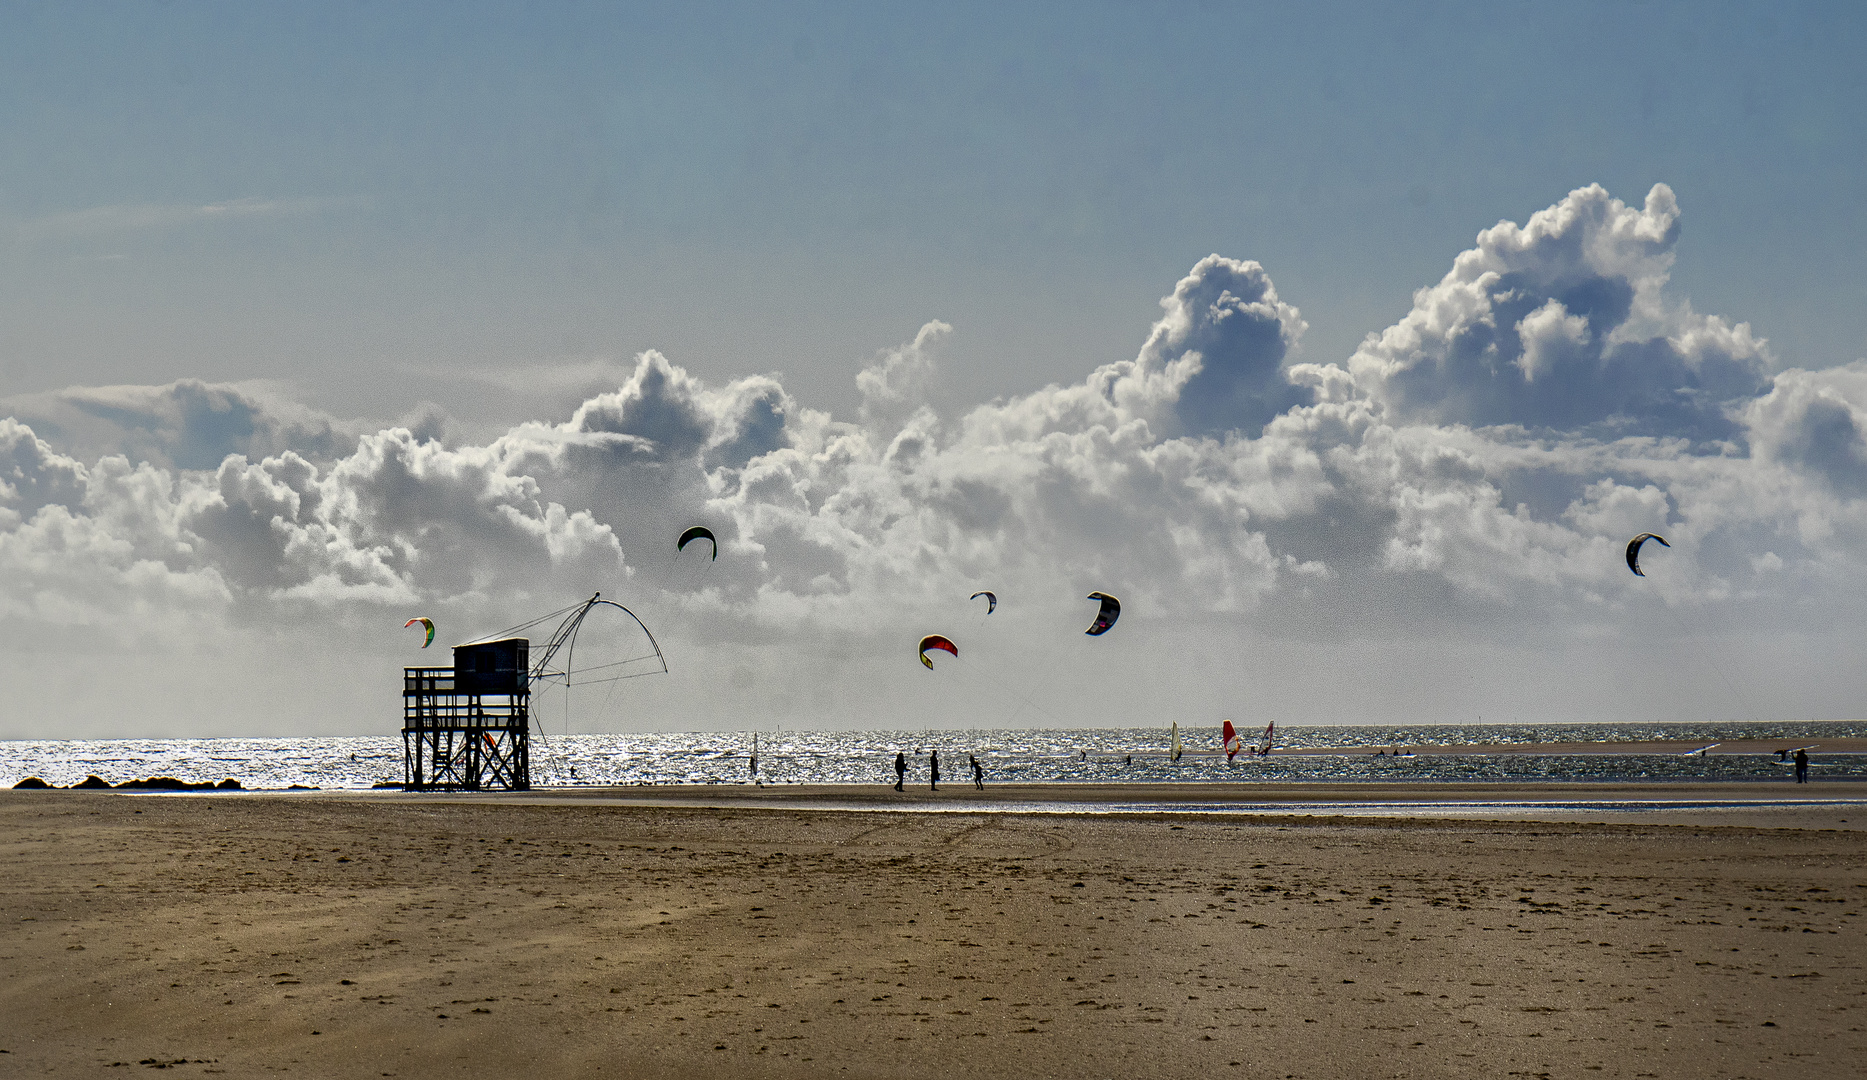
(978, 774)
(934, 759)
(1802, 766)
(901, 770)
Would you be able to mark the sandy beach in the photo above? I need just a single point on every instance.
(714, 932)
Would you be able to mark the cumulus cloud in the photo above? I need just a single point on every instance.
(1219, 351)
(83, 544)
(33, 475)
(1564, 324)
(1816, 422)
(895, 386)
(396, 521)
(1473, 469)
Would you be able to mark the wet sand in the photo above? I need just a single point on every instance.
(710, 932)
(1768, 805)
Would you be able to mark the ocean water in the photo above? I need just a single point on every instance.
(1044, 755)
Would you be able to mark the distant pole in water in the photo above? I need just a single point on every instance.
(755, 757)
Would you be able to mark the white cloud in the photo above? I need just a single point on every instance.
(1551, 337)
(1816, 422)
(1477, 465)
(895, 386)
(1564, 324)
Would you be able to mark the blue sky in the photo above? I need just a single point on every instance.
(472, 220)
(748, 188)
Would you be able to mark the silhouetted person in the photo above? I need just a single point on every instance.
(901, 770)
(934, 761)
(1802, 766)
(978, 774)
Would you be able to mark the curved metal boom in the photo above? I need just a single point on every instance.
(566, 635)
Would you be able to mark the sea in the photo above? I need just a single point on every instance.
(1040, 755)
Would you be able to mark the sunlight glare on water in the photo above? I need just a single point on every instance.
(1100, 755)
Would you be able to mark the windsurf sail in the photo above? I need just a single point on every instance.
(1232, 741)
(1269, 730)
(1174, 753)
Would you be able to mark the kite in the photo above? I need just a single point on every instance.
(1633, 550)
(1111, 610)
(991, 599)
(936, 641)
(426, 622)
(696, 533)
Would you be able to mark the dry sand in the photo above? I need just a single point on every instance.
(411, 936)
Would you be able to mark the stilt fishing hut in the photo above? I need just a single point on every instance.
(465, 728)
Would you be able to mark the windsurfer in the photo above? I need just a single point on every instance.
(978, 774)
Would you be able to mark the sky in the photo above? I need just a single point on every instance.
(1348, 345)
